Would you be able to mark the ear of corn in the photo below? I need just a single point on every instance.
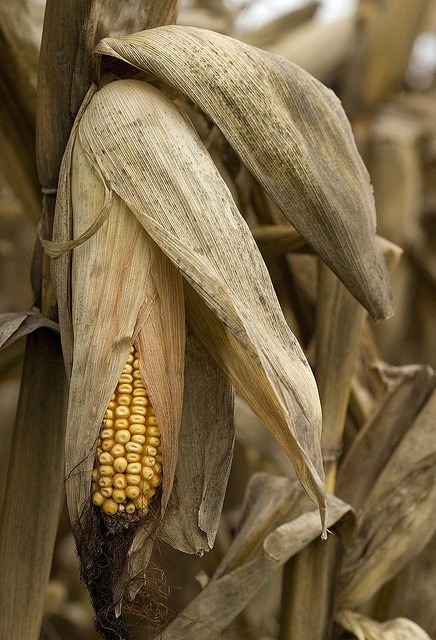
(128, 460)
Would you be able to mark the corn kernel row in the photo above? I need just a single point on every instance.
(128, 462)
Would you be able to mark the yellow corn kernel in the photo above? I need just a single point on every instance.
(122, 436)
(98, 499)
(133, 457)
(137, 429)
(120, 464)
(119, 496)
(105, 481)
(122, 411)
(106, 470)
(125, 388)
(118, 450)
(119, 481)
(128, 456)
(107, 445)
(106, 434)
(105, 458)
(132, 492)
(110, 507)
(134, 447)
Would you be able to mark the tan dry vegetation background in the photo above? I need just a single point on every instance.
(391, 102)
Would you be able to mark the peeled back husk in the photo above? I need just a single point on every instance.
(147, 152)
(289, 130)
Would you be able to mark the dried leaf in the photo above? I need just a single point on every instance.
(177, 194)
(292, 134)
(397, 517)
(408, 390)
(17, 324)
(205, 455)
(411, 592)
(268, 388)
(228, 593)
(366, 629)
(339, 326)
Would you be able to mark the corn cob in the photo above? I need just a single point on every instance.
(128, 461)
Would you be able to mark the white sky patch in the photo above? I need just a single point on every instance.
(259, 12)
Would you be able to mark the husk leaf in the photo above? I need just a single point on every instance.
(123, 290)
(292, 134)
(205, 455)
(178, 196)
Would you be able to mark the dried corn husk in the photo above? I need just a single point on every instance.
(205, 454)
(170, 202)
(137, 187)
(123, 290)
(306, 150)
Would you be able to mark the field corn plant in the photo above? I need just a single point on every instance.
(180, 168)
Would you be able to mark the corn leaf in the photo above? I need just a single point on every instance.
(366, 629)
(286, 533)
(205, 455)
(291, 133)
(409, 388)
(177, 194)
(397, 517)
(15, 325)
